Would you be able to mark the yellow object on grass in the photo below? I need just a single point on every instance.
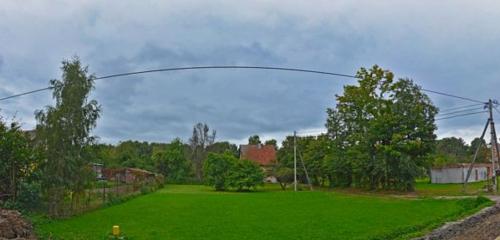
(116, 230)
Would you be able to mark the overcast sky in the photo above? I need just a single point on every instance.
(451, 46)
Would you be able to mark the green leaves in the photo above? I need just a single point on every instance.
(382, 129)
(64, 134)
(172, 162)
(18, 160)
(223, 171)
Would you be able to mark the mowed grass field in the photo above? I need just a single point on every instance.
(197, 212)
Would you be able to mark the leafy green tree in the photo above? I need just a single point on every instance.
(172, 162)
(222, 147)
(64, 132)
(382, 131)
(314, 155)
(245, 175)
(272, 142)
(217, 170)
(254, 140)
(483, 154)
(284, 176)
(135, 154)
(455, 149)
(18, 159)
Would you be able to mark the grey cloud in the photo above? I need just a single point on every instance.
(453, 51)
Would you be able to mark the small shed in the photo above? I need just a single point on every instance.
(457, 173)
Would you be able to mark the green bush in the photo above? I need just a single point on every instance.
(223, 171)
(28, 198)
(245, 175)
(217, 170)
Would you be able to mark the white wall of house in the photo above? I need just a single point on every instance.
(458, 174)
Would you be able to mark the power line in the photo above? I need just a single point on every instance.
(460, 107)
(459, 111)
(25, 93)
(235, 67)
(227, 67)
(460, 115)
(454, 96)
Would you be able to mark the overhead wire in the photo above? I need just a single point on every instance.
(459, 111)
(236, 67)
(460, 107)
(460, 115)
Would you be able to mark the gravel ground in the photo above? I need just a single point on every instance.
(488, 228)
(484, 225)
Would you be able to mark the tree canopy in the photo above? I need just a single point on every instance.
(64, 132)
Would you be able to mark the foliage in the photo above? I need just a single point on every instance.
(453, 149)
(217, 169)
(222, 147)
(313, 151)
(320, 215)
(172, 162)
(284, 176)
(483, 154)
(19, 162)
(272, 142)
(29, 198)
(135, 154)
(199, 142)
(63, 132)
(245, 175)
(223, 171)
(254, 140)
(382, 132)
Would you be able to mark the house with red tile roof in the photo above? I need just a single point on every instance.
(264, 155)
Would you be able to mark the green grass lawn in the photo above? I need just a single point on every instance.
(424, 188)
(197, 212)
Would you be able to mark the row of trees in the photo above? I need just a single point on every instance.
(380, 135)
(55, 159)
(455, 150)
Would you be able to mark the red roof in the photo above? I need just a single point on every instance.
(264, 155)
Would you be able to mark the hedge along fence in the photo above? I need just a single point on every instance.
(122, 184)
(97, 193)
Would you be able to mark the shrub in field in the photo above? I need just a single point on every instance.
(245, 175)
(217, 169)
(224, 170)
(29, 196)
(284, 175)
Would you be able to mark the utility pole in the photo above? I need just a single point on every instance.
(494, 146)
(475, 155)
(295, 160)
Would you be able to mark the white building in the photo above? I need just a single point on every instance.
(457, 173)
